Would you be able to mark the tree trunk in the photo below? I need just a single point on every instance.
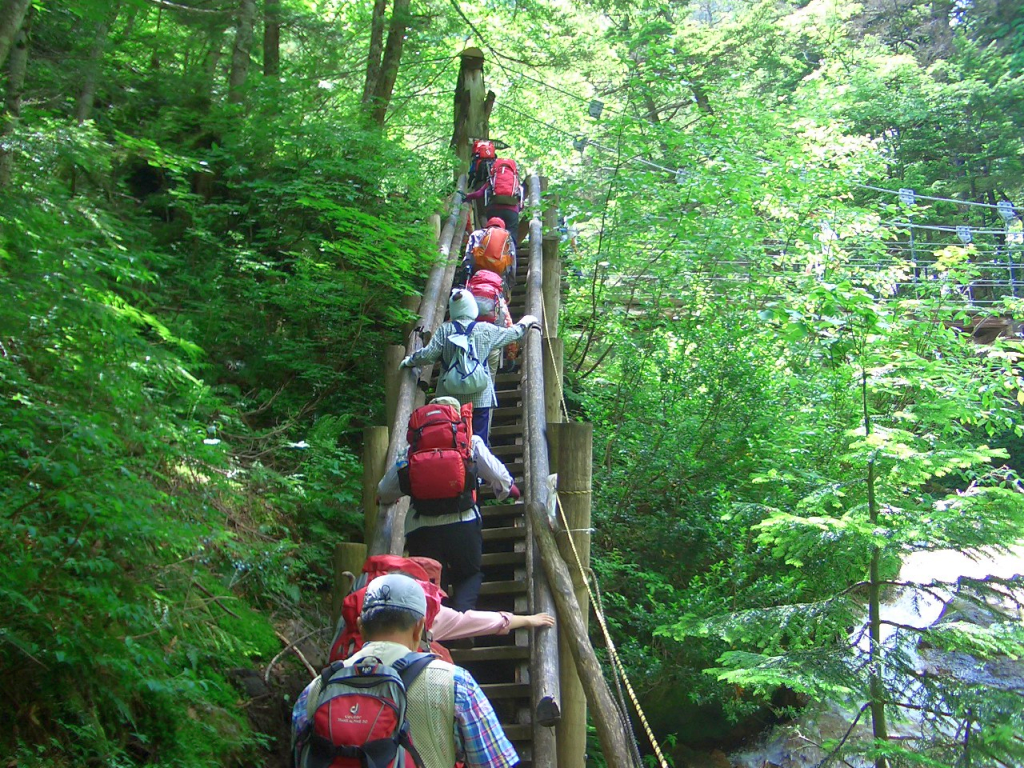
(242, 49)
(376, 50)
(12, 101)
(12, 14)
(879, 727)
(92, 66)
(377, 106)
(271, 38)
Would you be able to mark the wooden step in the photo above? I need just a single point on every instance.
(504, 534)
(514, 451)
(491, 653)
(503, 430)
(517, 732)
(509, 398)
(515, 468)
(495, 559)
(507, 690)
(507, 412)
(508, 378)
(503, 588)
(510, 511)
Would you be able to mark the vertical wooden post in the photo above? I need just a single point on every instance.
(375, 454)
(553, 350)
(348, 557)
(470, 106)
(552, 285)
(435, 222)
(393, 355)
(575, 452)
(411, 303)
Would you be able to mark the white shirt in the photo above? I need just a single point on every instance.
(489, 468)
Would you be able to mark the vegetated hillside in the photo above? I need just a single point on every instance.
(194, 267)
(211, 210)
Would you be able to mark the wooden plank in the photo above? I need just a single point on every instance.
(506, 690)
(517, 732)
(506, 430)
(516, 449)
(504, 534)
(504, 510)
(493, 559)
(512, 411)
(503, 587)
(489, 653)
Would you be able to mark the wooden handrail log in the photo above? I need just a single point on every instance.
(388, 536)
(544, 662)
(610, 731)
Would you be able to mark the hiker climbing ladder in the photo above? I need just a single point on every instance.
(520, 673)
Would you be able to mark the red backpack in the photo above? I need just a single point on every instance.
(358, 716)
(427, 573)
(440, 475)
(488, 290)
(505, 188)
(347, 639)
(480, 163)
(483, 148)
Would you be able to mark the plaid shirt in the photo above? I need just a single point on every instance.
(485, 338)
(479, 740)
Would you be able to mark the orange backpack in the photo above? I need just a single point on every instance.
(494, 252)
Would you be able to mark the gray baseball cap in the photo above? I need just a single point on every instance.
(395, 591)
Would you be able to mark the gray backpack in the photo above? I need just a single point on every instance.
(466, 374)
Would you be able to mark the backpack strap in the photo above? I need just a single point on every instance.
(409, 668)
(459, 331)
(467, 332)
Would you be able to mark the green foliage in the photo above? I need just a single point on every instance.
(194, 293)
(187, 294)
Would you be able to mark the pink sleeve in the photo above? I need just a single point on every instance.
(477, 194)
(450, 624)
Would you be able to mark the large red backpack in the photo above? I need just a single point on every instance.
(427, 573)
(440, 476)
(488, 290)
(505, 188)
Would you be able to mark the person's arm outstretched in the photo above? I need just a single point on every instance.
(430, 353)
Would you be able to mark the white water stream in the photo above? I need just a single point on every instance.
(794, 745)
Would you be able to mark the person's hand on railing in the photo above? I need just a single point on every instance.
(530, 321)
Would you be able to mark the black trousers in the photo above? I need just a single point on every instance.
(458, 547)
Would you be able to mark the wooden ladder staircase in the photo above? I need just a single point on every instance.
(501, 664)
